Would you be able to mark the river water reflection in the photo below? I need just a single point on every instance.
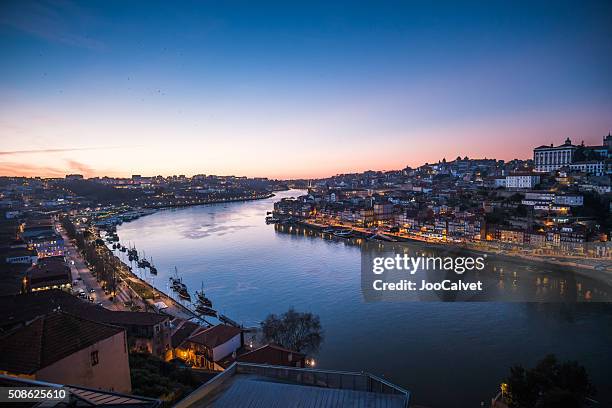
(446, 353)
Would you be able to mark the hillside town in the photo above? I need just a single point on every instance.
(557, 204)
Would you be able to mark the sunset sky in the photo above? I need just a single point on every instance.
(295, 89)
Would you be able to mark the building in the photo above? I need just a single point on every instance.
(146, 332)
(571, 200)
(73, 177)
(62, 348)
(41, 236)
(207, 347)
(49, 273)
(259, 385)
(526, 180)
(19, 256)
(587, 159)
(499, 182)
(182, 330)
(551, 158)
(271, 354)
(594, 167)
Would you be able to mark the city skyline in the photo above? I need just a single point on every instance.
(289, 91)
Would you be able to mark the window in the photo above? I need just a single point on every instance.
(94, 358)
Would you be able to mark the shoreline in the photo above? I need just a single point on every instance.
(207, 202)
(164, 297)
(586, 270)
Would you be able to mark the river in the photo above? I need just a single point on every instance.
(446, 353)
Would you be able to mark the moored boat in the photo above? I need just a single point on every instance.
(206, 311)
(183, 294)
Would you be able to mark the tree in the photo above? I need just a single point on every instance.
(293, 330)
(549, 384)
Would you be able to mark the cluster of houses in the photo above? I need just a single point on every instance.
(56, 337)
(540, 202)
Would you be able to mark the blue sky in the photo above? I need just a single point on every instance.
(288, 89)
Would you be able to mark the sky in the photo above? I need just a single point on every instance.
(295, 89)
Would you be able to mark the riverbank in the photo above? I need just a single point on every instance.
(591, 267)
(205, 202)
(146, 293)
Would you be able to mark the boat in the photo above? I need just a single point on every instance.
(152, 268)
(206, 311)
(201, 297)
(176, 283)
(329, 230)
(271, 220)
(343, 233)
(381, 237)
(183, 294)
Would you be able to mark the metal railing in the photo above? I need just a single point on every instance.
(357, 381)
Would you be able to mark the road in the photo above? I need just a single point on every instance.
(82, 276)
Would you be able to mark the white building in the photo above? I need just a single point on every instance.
(550, 158)
(522, 180)
(595, 167)
(571, 200)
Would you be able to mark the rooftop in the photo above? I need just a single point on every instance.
(258, 385)
(19, 309)
(185, 330)
(48, 339)
(215, 335)
(273, 355)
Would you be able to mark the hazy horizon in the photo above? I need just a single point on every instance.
(295, 90)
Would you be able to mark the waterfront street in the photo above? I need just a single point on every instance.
(82, 276)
